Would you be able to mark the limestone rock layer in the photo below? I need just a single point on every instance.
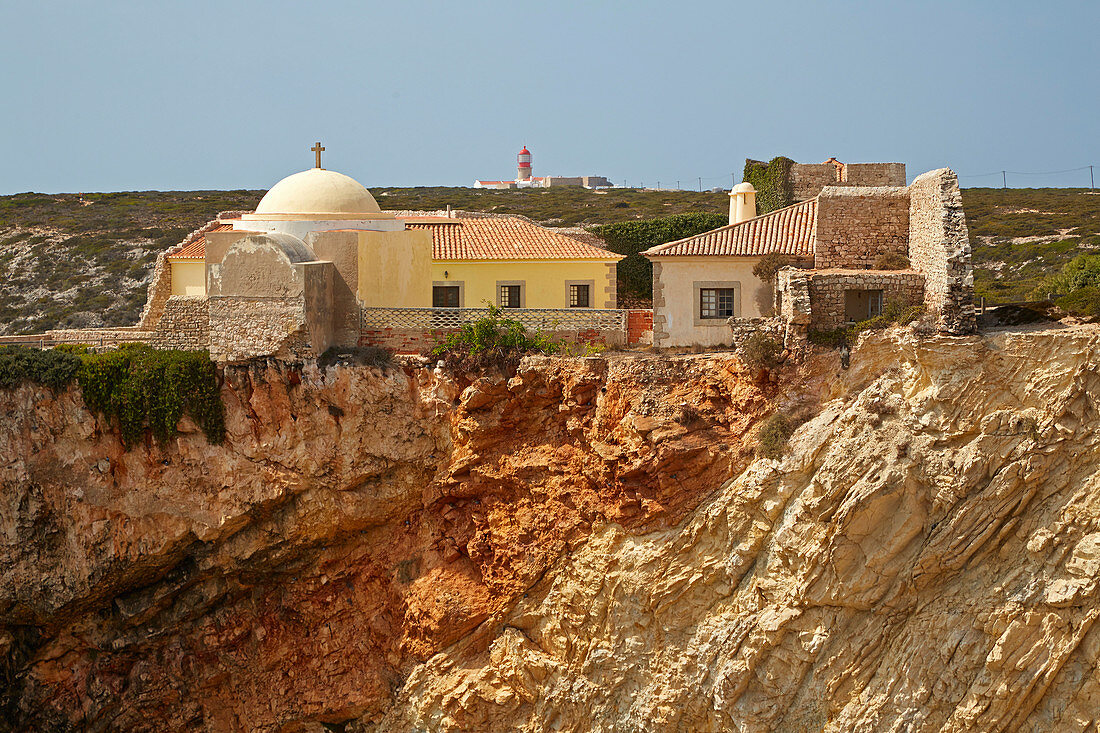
(587, 546)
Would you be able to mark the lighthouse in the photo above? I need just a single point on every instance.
(523, 165)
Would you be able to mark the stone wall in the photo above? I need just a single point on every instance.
(743, 328)
(159, 291)
(184, 324)
(939, 247)
(160, 284)
(105, 337)
(807, 179)
(856, 225)
(245, 327)
(827, 300)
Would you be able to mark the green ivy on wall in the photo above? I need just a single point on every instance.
(772, 181)
(144, 388)
(139, 387)
(635, 273)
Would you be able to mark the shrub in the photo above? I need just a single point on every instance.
(635, 273)
(761, 351)
(492, 341)
(893, 314)
(772, 437)
(769, 265)
(1082, 302)
(54, 368)
(372, 356)
(1083, 271)
(144, 388)
(891, 261)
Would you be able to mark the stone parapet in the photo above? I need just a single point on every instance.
(99, 336)
(242, 328)
(412, 330)
(807, 179)
(742, 328)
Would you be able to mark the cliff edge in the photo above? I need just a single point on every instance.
(587, 546)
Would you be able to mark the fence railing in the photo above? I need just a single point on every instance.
(546, 319)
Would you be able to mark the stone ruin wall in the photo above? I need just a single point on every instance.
(184, 324)
(159, 290)
(827, 299)
(160, 284)
(807, 179)
(856, 225)
(939, 247)
(244, 327)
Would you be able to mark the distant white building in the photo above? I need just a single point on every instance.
(524, 179)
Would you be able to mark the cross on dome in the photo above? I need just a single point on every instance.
(318, 149)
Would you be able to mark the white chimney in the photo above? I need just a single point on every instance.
(742, 203)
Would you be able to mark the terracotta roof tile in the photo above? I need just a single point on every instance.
(480, 238)
(789, 231)
(196, 248)
(504, 238)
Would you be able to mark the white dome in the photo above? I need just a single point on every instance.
(318, 191)
(744, 187)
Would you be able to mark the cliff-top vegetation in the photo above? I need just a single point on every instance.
(84, 260)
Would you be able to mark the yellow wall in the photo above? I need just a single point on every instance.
(188, 277)
(395, 269)
(544, 281)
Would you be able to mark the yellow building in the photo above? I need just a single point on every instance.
(513, 262)
(410, 259)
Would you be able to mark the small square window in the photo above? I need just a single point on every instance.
(510, 296)
(578, 296)
(717, 302)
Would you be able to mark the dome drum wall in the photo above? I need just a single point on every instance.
(261, 266)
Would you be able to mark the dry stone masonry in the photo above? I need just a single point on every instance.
(939, 246)
(184, 324)
(857, 225)
(807, 179)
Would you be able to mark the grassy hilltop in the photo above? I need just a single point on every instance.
(84, 260)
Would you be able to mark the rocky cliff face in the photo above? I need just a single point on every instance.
(563, 551)
(354, 523)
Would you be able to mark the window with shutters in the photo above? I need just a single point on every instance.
(579, 296)
(511, 296)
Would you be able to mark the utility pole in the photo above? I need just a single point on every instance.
(1092, 181)
(700, 184)
(677, 185)
(658, 185)
(733, 179)
(1004, 180)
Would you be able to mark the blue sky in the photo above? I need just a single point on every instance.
(131, 96)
